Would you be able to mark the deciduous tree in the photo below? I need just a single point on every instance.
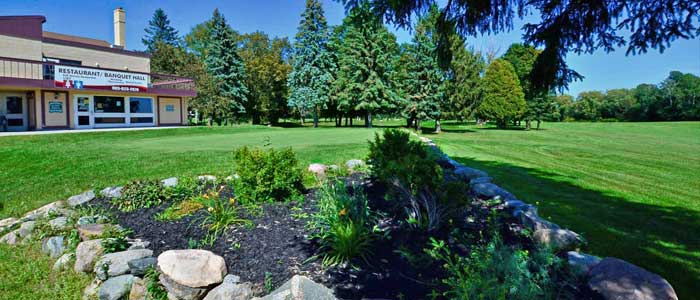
(504, 99)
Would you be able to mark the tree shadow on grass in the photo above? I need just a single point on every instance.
(661, 239)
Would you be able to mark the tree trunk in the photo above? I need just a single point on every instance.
(408, 122)
(438, 128)
(417, 125)
(210, 121)
(368, 120)
(315, 117)
(351, 121)
(528, 124)
(346, 121)
(538, 124)
(302, 121)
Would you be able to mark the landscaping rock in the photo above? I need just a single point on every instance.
(481, 180)
(11, 238)
(59, 223)
(179, 291)
(136, 244)
(207, 178)
(318, 169)
(230, 289)
(301, 288)
(116, 287)
(616, 279)
(90, 292)
(490, 191)
(467, 174)
(62, 262)
(53, 246)
(45, 210)
(557, 239)
(527, 214)
(581, 263)
(513, 204)
(192, 268)
(92, 220)
(81, 198)
(112, 192)
(25, 229)
(7, 223)
(354, 163)
(138, 289)
(117, 263)
(139, 266)
(90, 231)
(86, 254)
(170, 182)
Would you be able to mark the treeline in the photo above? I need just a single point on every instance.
(358, 70)
(677, 98)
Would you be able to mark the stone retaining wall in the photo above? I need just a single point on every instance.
(613, 278)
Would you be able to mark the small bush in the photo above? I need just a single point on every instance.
(343, 223)
(498, 272)
(140, 194)
(114, 239)
(267, 175)
(394, 156)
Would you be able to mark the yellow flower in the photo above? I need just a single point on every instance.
(232, 200)
(343, 212)
(210, 209)
(205, 196)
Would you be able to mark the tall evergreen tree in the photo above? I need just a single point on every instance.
(312, 69)
(226, 66)
(365, 63)
(426, 83)
(159, 31)
(464, 85)
(504, 99)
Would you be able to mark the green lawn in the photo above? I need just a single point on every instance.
(632, 189)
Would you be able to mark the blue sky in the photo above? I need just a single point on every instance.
(93, 19)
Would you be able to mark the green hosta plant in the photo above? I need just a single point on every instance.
(140, 194)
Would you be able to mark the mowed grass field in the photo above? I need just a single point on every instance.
(632, 189)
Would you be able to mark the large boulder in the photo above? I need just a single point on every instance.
(301, 288)
(192, 268)
(230, 289)
(112, 192)
(116, 288)
(140, 266)
(616, 279)
(489, 190)
(557, 239)
(57, 207)
(90, 231)
(527, 214)
(81, 198)
(181, 292)
(26, 229)
(318, 169)
(117, 263)
(581, 263)
(53, 246)
(86, 254)
(59, 223)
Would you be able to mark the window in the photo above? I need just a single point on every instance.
(107, 104)
(142, 120)
(83, 104)
(109, 120)
(140, 105)
(83, 120)
(14, 105)
(15, 122)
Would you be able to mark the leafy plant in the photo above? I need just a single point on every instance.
(140, 194)
(154, 290)
(496, 271)
(179, 210)
(267, 175)
(343, 223)
(268, 282)
(221, 213)
(394, 156)
(114, 239)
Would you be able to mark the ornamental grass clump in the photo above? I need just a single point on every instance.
(221, 213)
(343, 223)
(267, 175)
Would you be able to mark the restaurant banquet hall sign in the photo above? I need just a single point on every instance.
(86, 78)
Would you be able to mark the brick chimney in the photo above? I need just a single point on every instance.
(119, 28)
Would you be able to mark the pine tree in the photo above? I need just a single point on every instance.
(159, 31)
(464, 85)
(312, 69)
(365, 62)
(226, 66)
(426, 83)
(504, 99)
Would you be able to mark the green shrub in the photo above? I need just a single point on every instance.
(267, 175)
(114, 239)
(395, 157)
(343, 223)
(498, 272)
(221, 212)
(140, 194)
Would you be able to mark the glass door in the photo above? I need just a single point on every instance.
(83, 112)
(13, 113)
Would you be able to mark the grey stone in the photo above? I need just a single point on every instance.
(112, 192)
(581, 263)
(231, 289)
(454, 163)
(11, 238)
(301, 288)
(26, 229)
(135, 244)
(179, 291)
(139, 266)
(206, 178)
(192, 268)
(85, 220)
(557, 239)
(490, 191)
(318, 169)
(117, 263)
(86, 254)
(527, 214)
(481, 180)
(170, 182)
(90, 231)
(138, 289)
(53, 246)
(90, 292)
(116, 287)
(513, 204)
(44, 211)
(354, 163)
(81, 198)
(616, 279)
(467, 174)
(8, 223)
(59, 223)
(62, 262)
